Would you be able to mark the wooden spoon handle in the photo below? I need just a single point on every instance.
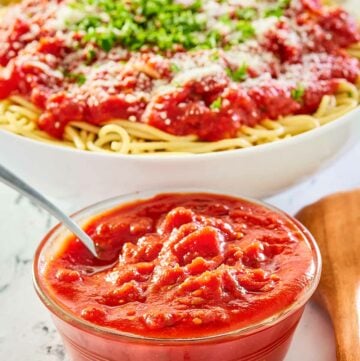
(344, 310)
(335, 223)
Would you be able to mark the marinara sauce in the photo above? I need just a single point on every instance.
(188, 265)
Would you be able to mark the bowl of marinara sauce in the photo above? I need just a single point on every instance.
(197, 277)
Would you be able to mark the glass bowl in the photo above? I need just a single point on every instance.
(268, 340)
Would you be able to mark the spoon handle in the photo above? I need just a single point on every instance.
(335, 223)
(16, 183)
(347, 328)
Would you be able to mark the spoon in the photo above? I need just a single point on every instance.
(334, 221)
(15, 182)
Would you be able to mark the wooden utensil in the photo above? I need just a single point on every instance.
(334, 221)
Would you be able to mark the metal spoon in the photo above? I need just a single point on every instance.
(15, 182)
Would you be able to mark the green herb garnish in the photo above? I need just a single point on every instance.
(225, 19)
(239, 74)
(90, 56)
(298, 93)
(215, 56)
(246, 29)
(246, 13)
(216, 104)
(277, 12)
(76, 77)
(158, 24)
(174, 68)
(278, 9)
(136, 23)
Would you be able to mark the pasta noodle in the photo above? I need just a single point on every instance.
(125, 137)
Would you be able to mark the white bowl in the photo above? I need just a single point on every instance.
(257, 172)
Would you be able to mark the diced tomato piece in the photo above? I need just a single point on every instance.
(176, 218)
(51, 45)
(207, 243)
(344, 29)
(8, 81)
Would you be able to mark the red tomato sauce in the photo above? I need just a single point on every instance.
(70, 79)
(189, 265)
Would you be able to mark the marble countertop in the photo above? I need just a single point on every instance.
(26, 330)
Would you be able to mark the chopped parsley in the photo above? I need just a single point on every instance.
(76, 77)
(136, 23)
(225, 19)
(90, 56)
(246, 29)
(216, 104)
(174, 68)
(278, 9)
(247, 13)
(159, 24)
(298, 93)
(213, 38)
(239, 74)
(215, 56)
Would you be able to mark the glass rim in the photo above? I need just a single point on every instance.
(103, 206)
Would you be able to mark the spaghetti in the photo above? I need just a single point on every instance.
(115, 135)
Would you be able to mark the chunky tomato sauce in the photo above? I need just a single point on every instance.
(229, 65)
(189, 265)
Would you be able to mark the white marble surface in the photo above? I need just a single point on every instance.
(26, 331)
